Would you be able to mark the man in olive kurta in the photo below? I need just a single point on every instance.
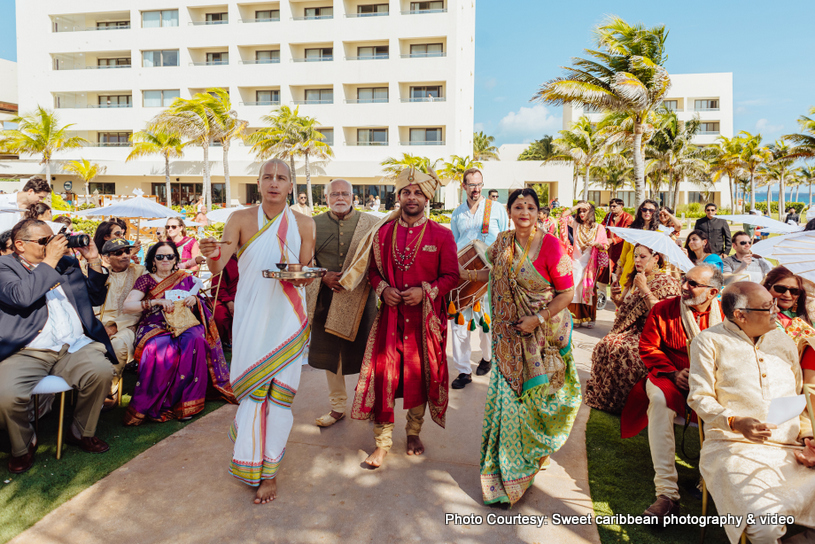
(341, 319)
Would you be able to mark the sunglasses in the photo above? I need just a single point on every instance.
(781, 289)
(165, 257)
(693, 283)
(747, 243)
(120, 252)
(173, 227)
(42, 241)
(648, 210)
(712, 210)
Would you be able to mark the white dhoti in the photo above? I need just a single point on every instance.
(270, 341)
(462, 350)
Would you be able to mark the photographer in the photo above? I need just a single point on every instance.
(47, 327)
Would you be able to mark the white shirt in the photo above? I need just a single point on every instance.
(9, 219)
(466, 226)
(62, 327)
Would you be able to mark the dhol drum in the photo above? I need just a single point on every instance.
(473, 256)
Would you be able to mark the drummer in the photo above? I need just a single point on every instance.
(477, 218)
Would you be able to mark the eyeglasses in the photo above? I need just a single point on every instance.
(338, 195)
(120, 252)
(693, 283)
(165, 257)
(302, 198)
(42, 241)
(781, 289)
(710, 210)
(745, 243)
(474, 186)
(173, 227)
(649, 210)
(773, 307)
(493, 197)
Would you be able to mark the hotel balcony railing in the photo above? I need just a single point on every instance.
(92, 28)
(312, 59)
(309, 102)
(312, 17)
(210, 63)
(426, 142)
(262, 20)
(262, 103)
(111, 144)
(383, 56)
(423, 55)
(207, 23)
(358, 15)
(105, 106)
(366, 144)
(709, 133)
(260, 61)
(424, 99)
(705, 109)
(366, 100)
(95, 67)
(676, 110)
(422, 11)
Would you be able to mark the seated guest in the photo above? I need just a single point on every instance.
(615, 363)
(5, 243)
(697, 248)
(226, 287)
(120, 326)
(191, 257)
(657, 399)
(750, 466)
(47, 327)
(744, 262)
(134, 254)
(107, 230)
(546, 223)
(65, 220)
(174, 369)
(40, 210)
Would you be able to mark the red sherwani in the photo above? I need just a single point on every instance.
(406, 354)
(228, 282)
(663, 350)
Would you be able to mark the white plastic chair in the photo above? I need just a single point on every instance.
(51, 385)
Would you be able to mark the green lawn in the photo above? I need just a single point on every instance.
(26, 498)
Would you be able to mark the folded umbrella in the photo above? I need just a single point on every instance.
(655, 241)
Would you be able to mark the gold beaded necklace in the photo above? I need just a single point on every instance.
(513, 274)
(404, 260)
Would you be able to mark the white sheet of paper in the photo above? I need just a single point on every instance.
(784, 409)
(176, 294)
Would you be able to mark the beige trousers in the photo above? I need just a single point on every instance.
(383, 432)
(337, 394)
(765, 534)
(123, 347)
(662, 441)
(88, 371)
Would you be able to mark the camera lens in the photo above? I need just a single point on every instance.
(79, 240)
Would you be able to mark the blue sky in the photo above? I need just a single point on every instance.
(522, 43)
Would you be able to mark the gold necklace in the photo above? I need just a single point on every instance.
(513, 275)
(404, 260)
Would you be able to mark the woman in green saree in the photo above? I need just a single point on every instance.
(533, 399)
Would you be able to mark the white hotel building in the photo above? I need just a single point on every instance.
(382, 77)
(710, 96)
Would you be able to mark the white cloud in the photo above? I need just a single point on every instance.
(478, 127)
(763, 125)
(528, 123)
(490, 83)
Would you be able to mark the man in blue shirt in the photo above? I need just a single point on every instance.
(476, 218)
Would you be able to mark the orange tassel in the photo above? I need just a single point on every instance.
(477, 307)
(451, 308)
(487, 319)
(460, 320)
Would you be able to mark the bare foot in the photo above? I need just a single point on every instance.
(414, 445)
(267, 491)
(376, 458)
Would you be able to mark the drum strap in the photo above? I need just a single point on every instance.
(485, 225)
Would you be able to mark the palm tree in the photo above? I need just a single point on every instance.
(781, 158)
(616, 172)
(39, 133)
(539, 150)
(804, 141)
(625, 75)
(310, 144)
(280, 138)
(808, 176)
(232, 129)
(86, 171)
(195, 120)
(753, 155)
(147, 143)
(724, 158)
(394, 166)
(582, 144)
(483, 148)
(672, 151)
(455, 168)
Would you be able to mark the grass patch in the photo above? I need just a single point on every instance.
(49, 483)
(621, 476)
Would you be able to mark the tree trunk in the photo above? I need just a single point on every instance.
(207, 179)
(168, 188)
(227, 188)
(586, 181)
(769, 194)
(293, 177)
(732, 194)
(810, 191)
(574, 180)
(781, 196)
(308, 183)
(752, 191)
(797, 189)
(639, 164)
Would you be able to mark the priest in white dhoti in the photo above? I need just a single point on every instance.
(752, 468)
(270, 331)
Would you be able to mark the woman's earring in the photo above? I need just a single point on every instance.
(153, 269)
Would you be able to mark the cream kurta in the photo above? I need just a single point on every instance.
(730, 376)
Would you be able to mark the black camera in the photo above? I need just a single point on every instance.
(79, 240)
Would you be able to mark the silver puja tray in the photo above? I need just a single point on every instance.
(304, 274)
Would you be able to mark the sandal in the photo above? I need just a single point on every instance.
(328, 420)
(589, 325)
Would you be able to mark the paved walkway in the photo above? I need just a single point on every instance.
(180, 491)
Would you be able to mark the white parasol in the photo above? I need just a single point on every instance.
(767, 224)
(222, 214)
(655, 241)
(137, 207)
(161, 222)
(795, 251)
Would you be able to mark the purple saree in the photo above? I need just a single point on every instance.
(175, 373)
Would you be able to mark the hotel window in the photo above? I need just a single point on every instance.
(372, 136)
(319, 54)
(373, 52)
(113, 139)
(151, 59)
(217, 58)
(115, 101)
(372, 10)
(267, 15)
(155, 19)
(425, 94)
(267, 57)
(319, 13)
(370, 95)
(103, 188)
(419, 7)
(426, 50)
(113, 63)
(319, 96)
(160, 99)
(707, 105)
(709, 128)
(328, 135)
(267, 98)
(106, 25)
(217, 18)
(671, 105)
(427, 136)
